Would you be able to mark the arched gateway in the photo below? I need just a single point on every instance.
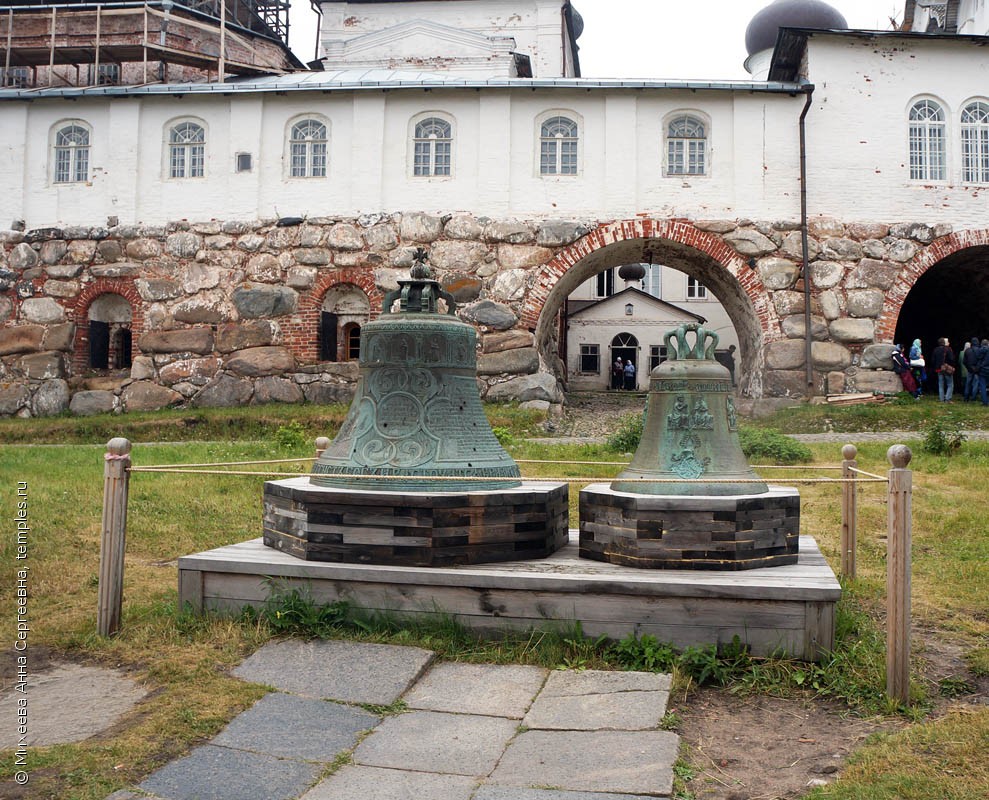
(675, 243)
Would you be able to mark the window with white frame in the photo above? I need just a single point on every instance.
(657, 355)
(696, 290)
(975, 143)
(605, 286)
(928, 150)
(307, 149)
(186, 150)
(652, 281)
(558, 146)
(71, 154)
(590, 359)
(686, 146)
(433, 147)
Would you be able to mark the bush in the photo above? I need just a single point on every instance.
(943, 436)
(770, 445)
(626, 438)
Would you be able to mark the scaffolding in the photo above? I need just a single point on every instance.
(232, 37)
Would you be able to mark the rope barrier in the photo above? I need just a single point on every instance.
(863, 472)
(469, 478)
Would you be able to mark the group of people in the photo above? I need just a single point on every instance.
(623, 375)
(972, 368)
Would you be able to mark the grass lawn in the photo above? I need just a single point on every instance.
(185, 661)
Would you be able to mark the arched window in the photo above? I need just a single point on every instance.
(307, 149)
(928, 152)
(686, 146)
(975, 143)
(558, 147)
(71, 154)
(186, 150)
(433, 147)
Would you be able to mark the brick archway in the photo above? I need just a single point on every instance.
(677, 243)
(78, 313)
(301, 333)
(927, 258)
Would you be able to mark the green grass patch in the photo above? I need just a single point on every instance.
(185, 660)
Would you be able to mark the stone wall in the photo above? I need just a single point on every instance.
(226, 314)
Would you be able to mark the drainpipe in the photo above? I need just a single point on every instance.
(808, 335)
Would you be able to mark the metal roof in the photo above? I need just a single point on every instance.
(350, 80)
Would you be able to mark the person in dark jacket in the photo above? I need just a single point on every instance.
(982, 368)
(944, 363)
(970, 360)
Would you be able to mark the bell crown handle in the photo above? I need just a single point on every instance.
(704, 345)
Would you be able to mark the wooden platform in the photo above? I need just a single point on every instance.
(787, 609)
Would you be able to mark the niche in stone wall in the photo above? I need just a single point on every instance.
(345, 310)
(109, 327)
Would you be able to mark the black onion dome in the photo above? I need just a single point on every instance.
(578, 22)
(764, 27)
(631, 272)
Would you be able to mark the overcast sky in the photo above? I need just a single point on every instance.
(656, 38)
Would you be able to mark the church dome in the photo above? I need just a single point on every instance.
(631, 272)
(578, 22)
(764, 27)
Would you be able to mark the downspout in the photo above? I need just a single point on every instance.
(805, 273)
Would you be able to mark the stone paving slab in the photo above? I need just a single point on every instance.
(371, 783)
(489, 792)
(429, 741)
(220, 773)
(615, 711)
(286, 726)
(599, 700)
(639, 762)
(355, 672)
(69, 703)
(486, 689)
(568, 683)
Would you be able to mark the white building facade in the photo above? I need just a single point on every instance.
(245, 203)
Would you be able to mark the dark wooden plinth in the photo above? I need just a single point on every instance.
(674, 532)
(418, 529)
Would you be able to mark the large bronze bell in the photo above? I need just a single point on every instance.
(690, 430)
(417, 412)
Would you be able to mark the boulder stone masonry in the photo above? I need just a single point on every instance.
(227, 313)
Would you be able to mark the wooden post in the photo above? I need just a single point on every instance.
(849, 511)
(898, 575)
(111, 587)
(322, 443)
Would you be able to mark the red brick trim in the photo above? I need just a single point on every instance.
(926, 258)
(77, 310)
(677, 231)
(300, 334)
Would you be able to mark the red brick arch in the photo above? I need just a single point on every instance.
(739, 288)
(78, 312)
(301, 332)
(930, 256)
(678, 231)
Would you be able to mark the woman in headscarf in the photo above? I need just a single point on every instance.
(917, 366)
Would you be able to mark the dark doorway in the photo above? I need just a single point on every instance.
(328, 336)
(951, 299)
(99, 344)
